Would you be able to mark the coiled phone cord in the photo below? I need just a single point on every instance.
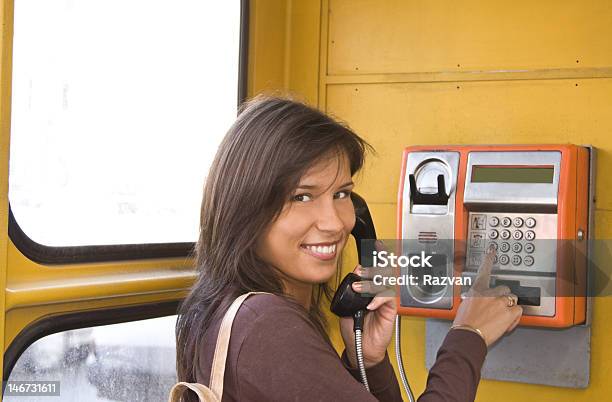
(360, 362)
(358, 318)
(398, 356)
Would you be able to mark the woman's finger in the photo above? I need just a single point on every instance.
(481, 283)
(368, 287)
(380, 299)
(514, 324)
(379, 246)
(370, 272)
(497, 291)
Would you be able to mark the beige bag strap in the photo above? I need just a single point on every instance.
(204, 394)
(214, 393)
(218, 366)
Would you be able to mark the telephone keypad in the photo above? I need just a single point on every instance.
(513, 236)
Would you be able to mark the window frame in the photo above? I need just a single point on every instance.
(81, 319)
(51, 255)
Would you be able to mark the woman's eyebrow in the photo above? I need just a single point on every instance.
(314, 186)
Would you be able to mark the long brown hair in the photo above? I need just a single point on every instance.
(257, 166)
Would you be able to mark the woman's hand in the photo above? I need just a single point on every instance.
(379, 320)
(494, 312)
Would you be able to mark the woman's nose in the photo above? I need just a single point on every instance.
(328, 218)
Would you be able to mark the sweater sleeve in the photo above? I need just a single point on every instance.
(381, 379)
(284, 358)
(455, 375)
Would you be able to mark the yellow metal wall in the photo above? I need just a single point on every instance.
(405, 72)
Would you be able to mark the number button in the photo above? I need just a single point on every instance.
(493, 221)
(517, 235)
(505, 234)
(493, 234)
(529, 248)
(506, 222)
(505, 247)
(477, 240)
(530, 222)
(517, 222)
(493, 245)
(516, 260)
(530, 235)
(517, 247)
(528, 260)
(475, 259)
(504, 259)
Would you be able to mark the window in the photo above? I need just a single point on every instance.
(133, 361)
(117, 110)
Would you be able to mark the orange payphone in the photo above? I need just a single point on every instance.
(530, 202)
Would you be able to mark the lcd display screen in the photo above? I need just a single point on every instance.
(487, 174)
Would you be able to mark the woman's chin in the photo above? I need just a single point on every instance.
(322, 274)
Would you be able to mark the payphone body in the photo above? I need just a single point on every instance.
(456, 200)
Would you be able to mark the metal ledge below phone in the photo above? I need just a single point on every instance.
(528, 355)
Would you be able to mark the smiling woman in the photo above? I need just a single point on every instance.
(276, 214)
(306, 239)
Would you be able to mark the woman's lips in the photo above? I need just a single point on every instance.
(322, 251)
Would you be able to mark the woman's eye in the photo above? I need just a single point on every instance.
(342, 194)
(302, 197)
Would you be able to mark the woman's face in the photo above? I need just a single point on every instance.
(306, 240)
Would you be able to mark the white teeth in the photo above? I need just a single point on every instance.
(323, 249)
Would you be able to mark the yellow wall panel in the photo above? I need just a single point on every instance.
(398, 36)
(393, 116)
(303, 51)
(267, 36)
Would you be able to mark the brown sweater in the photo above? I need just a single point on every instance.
(276, 354)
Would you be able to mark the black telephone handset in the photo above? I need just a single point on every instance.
(347, 302)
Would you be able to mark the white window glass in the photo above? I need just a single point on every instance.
(134, 361)
(118, 107)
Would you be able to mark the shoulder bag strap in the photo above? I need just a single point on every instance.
(218, 366)
(204, 394)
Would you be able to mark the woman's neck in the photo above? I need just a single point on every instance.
(301, 292)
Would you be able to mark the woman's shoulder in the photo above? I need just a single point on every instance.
(265, 313)
(268, 304)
